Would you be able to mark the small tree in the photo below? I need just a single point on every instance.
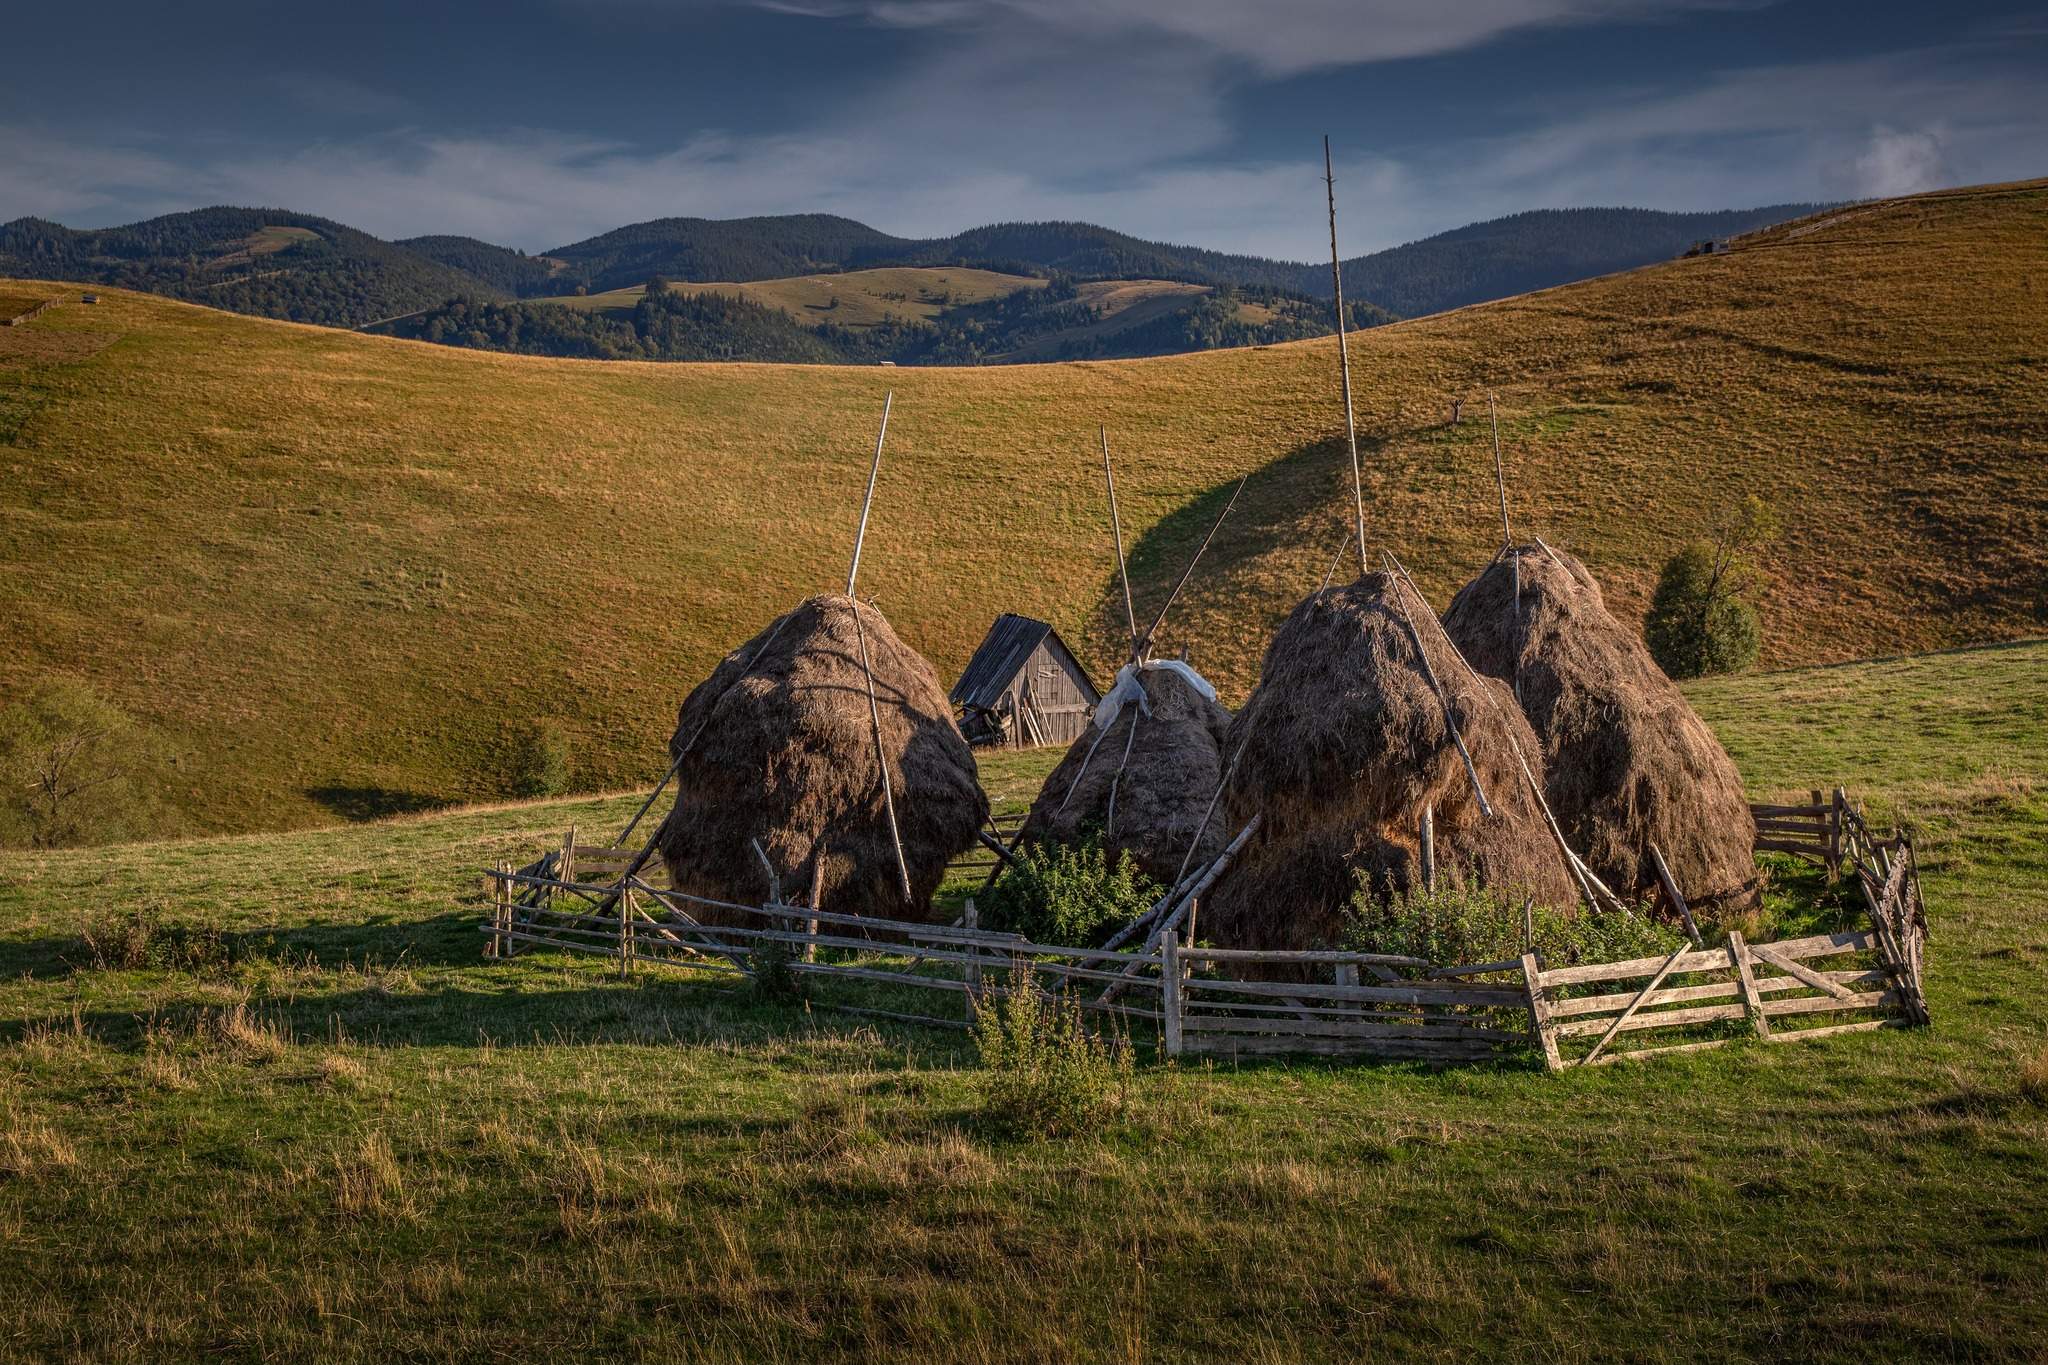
(540, 760)
(76, 769)
(1700, 619)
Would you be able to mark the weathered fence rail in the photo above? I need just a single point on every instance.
(1224, 1002)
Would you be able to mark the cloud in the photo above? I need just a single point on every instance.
(1898, 162)
(1273, 37)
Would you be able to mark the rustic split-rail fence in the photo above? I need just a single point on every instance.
(1203, 1001)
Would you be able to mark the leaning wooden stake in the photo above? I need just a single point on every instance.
(1116, 528)
(867, 502)
(1144, 644)
(1671, 893)
(1344, 362)
(881, 760)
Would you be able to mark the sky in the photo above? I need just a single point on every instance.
(536, 123)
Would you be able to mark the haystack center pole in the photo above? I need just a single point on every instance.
(1500, 479)
(866, 503)
(1145, 642)
(1443, 697)
(1331, 572)
(881, 762)
(1344, 361)
(1116, 528)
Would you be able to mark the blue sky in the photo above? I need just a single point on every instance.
(537, 122)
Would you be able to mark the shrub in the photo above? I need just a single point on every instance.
(775, 980)
(540, 760)
(1694, 626)
(1455, 925)
(139, 938)
(76, 769)
(1069, 893)
(1044, 1073)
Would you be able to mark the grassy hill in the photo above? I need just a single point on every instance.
(342, 1136)
(856, 298)
(339, 570)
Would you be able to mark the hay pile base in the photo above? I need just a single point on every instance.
(1627, 762)
(1346, 742)
(1162, 793)
(787, 756)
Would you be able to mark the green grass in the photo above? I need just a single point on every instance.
(358, 1141)
(341, 572)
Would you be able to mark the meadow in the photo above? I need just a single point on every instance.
(339, 572)
(290, 1113)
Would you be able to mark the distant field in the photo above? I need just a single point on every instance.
(338, 571)
(346, 1137)
(857, 298)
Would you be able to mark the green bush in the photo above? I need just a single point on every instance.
(1044, 1073)
(1068, 893)
(76, 769)
(540, 760)
(139, 938)
(1467, 924)
(1696, 625)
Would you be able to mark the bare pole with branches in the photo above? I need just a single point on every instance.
(1344, 362)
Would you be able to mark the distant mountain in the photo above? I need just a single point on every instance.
(270, 262)
(1534, 250)
(702, 250)
(291, 265)
(513, 272)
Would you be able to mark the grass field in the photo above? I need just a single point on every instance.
(338, 570)
(854, 298)
(357, 1141)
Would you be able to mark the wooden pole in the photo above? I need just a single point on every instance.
(1671, 893)
(1330, 572)
(866, 503)
(817, 901)
(1428, 840)
(881, 761)
(1145, 641)
(1500, 478)
(1116, 527)
(1169, 993)
(970, 918)
(1344, 362)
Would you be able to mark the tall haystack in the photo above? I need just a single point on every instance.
(1627, 762)
(784, 752)
(1346, 742)
(1151, 802)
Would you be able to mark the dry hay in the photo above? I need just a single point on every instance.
(1627, 762)
(1160, 794)
(1345, 743)
(786, 755)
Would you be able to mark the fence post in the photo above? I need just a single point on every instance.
(626, 933)
(501, 912)
(1738, 958)
(970, 918)
(1834, 855)
(817, 903)
(1539, 1013)
(1428, 840)
(566, 872)
(1169, 990)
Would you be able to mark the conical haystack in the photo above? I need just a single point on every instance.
(1627, 762)
(1345, 743)
(786, 755)
(1150, 804)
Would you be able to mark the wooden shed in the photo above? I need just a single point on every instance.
(1024, 687)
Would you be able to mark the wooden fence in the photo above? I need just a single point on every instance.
(34, 312)
(1203, 1001)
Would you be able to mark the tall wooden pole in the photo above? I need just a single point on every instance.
(1116, 527)
(867, 502)
(881, 759)
(1500, 478)
(1145, 641)
(1344, 362)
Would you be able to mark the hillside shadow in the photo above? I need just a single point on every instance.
(449, 940)
(361, 803)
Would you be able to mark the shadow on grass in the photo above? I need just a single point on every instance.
(373, 803)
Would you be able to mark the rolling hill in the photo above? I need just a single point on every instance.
(268, 262)
(339, 570)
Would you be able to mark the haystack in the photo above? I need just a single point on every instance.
(1346, 741)
(786, 755)
(1627, 762)
(1150, 804)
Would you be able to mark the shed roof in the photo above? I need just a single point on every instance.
(995, 664)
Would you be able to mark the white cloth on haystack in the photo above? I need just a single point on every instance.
(1129, 689)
